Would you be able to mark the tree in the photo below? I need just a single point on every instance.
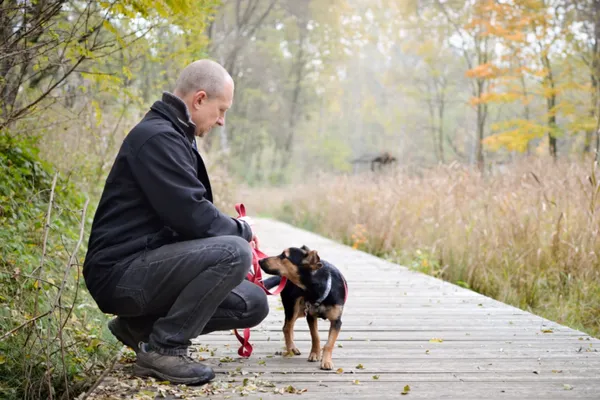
(529, 33)
(471, 22)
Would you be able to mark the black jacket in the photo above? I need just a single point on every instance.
(157, 192)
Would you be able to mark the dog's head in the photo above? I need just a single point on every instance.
(294, 263)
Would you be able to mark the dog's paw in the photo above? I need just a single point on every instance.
(293, 351)
(314, 356)
(327, 364)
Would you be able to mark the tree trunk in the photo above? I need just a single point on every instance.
(526, 108)
(481, 116)
(589, 134)
(441, 110)
(432, 125)
(551, 104)
(299, 66)
(596, 75)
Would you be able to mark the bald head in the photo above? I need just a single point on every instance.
(205, 75)
(207, 89)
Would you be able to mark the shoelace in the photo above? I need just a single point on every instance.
(188, 358)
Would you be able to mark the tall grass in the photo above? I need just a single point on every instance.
(527, 236)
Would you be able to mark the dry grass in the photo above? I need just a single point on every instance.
(527, 236)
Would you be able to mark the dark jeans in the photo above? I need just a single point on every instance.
(182, 290)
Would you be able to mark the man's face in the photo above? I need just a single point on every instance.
(207, 111)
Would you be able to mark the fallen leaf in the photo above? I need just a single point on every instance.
(557, 371)
(290, 389)
(427, 352)
(360, 366)
(406, 390)
(375, 377)
(566, 386)
(356, 382)
(435, 340)
(340, 345)
(339, 371)
(548, 330)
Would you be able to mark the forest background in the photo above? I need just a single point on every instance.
(489, 108)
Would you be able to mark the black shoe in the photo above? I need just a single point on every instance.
(175, 369)
(124, 334)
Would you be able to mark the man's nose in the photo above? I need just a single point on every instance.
(221, 121)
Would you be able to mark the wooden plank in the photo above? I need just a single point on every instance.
(490, 350)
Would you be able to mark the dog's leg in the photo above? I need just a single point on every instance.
(334, 331)
(288, 327)
(315, 351)
(334, 315)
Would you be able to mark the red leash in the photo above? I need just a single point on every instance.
(254, 276)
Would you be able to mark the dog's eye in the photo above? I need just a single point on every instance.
(282, 256)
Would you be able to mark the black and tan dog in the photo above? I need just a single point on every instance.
(315, 289)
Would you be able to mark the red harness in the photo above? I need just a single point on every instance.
(254, 276)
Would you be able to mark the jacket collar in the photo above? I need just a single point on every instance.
(176, 111)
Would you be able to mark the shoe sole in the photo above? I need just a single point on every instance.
(149, 372)
(127, 343)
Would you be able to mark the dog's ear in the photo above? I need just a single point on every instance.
(313, 260)
(305, 248)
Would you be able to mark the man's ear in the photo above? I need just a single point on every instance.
(200, 97)
(313, 260)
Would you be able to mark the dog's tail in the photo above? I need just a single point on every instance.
(271, 282)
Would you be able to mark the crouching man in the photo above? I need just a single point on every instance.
(161, 256)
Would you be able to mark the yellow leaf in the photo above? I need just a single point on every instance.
(435, 340)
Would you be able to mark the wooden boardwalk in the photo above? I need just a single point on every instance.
(400, 328)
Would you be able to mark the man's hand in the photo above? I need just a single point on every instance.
(254, 242)
(247, 220)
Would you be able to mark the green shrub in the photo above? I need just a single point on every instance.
(61, 351)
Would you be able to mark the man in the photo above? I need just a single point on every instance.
(161, 256)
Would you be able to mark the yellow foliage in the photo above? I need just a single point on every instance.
(485, 98)
(484, 71)
(514, 135)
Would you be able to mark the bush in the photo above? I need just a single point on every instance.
(58, 341)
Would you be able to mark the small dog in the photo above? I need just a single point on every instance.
(315, 289)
